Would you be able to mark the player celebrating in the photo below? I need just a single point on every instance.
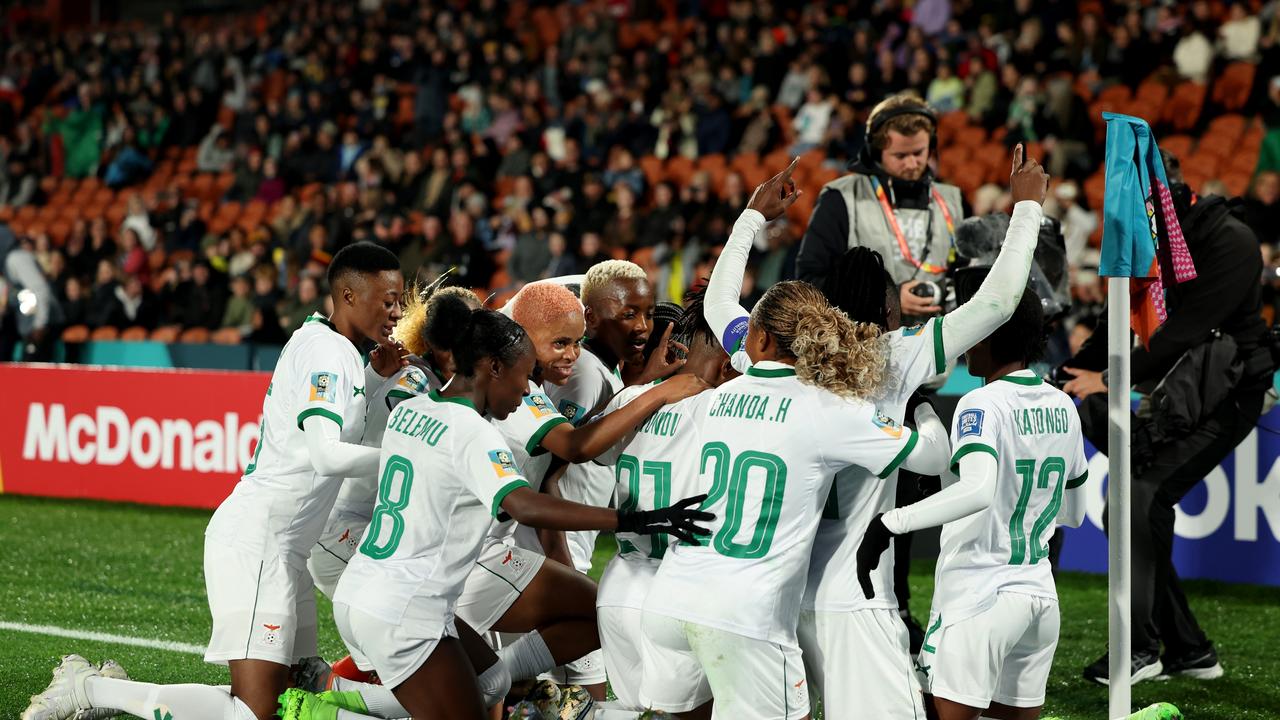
(257, 543)
(994, 624)
(656, 463)
(771, 443)
(855, 640)
(445, 474)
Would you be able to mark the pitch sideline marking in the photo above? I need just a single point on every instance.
(103, 637)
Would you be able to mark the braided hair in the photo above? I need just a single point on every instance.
(858, 285)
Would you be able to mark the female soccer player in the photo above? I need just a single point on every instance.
(720, 618)
(853, 637)
(1018, 447)
(257, 544)
(445, 474)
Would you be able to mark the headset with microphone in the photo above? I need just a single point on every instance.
(878, 120)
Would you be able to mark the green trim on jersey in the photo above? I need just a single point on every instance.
(531, 447)
(1077, 482)
(322, 412)
(902, 455)
(435, 395)
(402, 394)
(1020, 380)
(939, 350)
(970, 448)
(776, 372)
(318, 318)
(504, 492)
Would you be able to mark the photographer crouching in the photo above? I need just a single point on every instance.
(1205, 376)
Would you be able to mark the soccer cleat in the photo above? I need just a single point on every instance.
(575, 704)
(347, 668)
(312, 674)
(298, 704)
(545, 695)
(1200, 665)
(525, 710)
(346, 699)
(66, 693)
(108, 669)
(1159, 711)
(1145, 666)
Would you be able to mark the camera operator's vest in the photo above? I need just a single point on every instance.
(869, 228)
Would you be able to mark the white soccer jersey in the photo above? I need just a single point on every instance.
(523, 431)
(654, 466)
(588, 391)
(1033, 431)
(280, 505)
(443, 475)
(771, 446)
(857, 495)
(357, 495)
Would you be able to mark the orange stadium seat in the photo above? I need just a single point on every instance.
(75, 334)
(106, 332)
(134, 334)
(166, 333)
(1233, 86)
(194, 335)
(227, 336)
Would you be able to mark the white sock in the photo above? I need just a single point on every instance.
(145, 700)
(349, 715)
(613, 711)
(527, 657)
(380, 700)
(495, 683)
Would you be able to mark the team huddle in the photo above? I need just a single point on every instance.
(448, 494)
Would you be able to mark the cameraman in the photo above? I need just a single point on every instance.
(890, 203)
(1225, 297)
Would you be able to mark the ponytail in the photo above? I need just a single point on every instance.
(832, 352)
(473, 334)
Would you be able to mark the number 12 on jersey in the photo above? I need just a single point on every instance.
(1019, 539)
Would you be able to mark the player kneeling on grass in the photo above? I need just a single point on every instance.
(1017, 451)
(445, 475)
(257, 543)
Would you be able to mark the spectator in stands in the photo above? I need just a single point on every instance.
(19, 185)
(239, 309)
(1193, 56)
(463, 251)
(305, 301)
(134, 305)
(132, 259)
(129, 165)
(74, 301)
(272, 187)
(1262, 207)
(81, 130)
(562, 261)
(655, 226)
(248, 175)
(590, 251)
(1238, 37)
(812, 120)
(946, 92)
(138, 220)
(30, 314)
(215, 154)
(532, 254)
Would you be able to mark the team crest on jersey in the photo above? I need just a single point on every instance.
(887, 425)
(913, 330)
(513, 561)
(540, 405)
(969, 423)
(572, 411)
(270, 635)
(414, 380)
(503, 464)
(323, 386)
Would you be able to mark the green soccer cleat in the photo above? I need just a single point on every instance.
(350, 700)
(298, 704)
(1159, 711)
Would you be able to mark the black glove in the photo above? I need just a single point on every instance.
(916, 400)
(677, 521)
(874, 543)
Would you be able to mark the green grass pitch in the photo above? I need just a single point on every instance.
(136, 571)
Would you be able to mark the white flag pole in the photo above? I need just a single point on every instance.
(1119, 576)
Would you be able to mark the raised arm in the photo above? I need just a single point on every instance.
(727, 318)
(994, 302)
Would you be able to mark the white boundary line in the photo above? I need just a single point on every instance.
(103, 637)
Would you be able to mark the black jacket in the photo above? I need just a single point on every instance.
(1226, 295)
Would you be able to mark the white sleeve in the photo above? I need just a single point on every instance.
(933, 449)
(973, 492)
(994, 302)
(332, 457)
(728, 319)
(1075, 496)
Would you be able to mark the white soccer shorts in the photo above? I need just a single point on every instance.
(330, 555)
(496, 580)
(621, 643)
(263, 609)
(685, 664)
(394, 650)
(859, 663)
(1003, 654)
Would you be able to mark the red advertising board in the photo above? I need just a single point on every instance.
(160, 437)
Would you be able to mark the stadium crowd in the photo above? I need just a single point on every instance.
(201, 172)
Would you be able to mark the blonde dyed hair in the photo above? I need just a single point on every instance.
(603, 273)
(418, 311)
(832, 352)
